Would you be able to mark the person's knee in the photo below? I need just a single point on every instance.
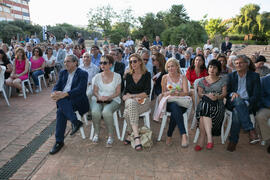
(238, 102)
(107, 113)
(17, 81)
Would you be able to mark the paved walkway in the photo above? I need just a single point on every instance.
(81, 159)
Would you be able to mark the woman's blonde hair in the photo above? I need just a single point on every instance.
(143, 68)
(175, 61)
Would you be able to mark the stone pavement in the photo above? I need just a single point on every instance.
(81, 159)
(20, 123)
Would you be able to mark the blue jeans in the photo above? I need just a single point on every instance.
(35, 75)
(240, 117)
(176, 118)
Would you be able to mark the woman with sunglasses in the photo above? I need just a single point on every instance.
(37, 66)
(136, 96)
(106, 98)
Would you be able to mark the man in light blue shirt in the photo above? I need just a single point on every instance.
(95, 55)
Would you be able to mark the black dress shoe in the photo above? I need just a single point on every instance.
(57, 146)
(268, 149)
(76, 127)
(231, 146)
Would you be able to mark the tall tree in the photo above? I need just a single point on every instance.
(102, 18)
(176, 16)
(214, 27)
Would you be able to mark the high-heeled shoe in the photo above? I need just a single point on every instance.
(198, 148)
(209, 146)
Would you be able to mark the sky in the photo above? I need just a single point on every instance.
(51, 12)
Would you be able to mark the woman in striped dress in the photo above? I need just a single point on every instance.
(210, 110)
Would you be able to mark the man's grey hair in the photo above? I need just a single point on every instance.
(73, 58)
(242, 56)
(145, 51)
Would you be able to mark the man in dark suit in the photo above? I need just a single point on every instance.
(70, 96)
(186, 61)
(225, 46)
(243, 94)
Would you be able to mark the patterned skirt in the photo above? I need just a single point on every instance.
(214, 110)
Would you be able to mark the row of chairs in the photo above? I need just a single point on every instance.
(24, 83)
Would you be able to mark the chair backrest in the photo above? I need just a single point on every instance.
(196, 91)
(183, 70)
(29, 70)
(152, 87)
(2, 77)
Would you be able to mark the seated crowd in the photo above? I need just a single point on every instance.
(116, 75)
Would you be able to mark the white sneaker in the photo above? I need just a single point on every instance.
(95, 139)
(109, 142)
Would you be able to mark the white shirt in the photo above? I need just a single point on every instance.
(67, 41)
(208, 59)
(69, 81)
(129, 43)
(107, 89)
(92, 70)
(68, 52)
(210, 46)
(49, 61)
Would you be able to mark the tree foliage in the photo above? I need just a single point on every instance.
(214, 27)
(192, 32)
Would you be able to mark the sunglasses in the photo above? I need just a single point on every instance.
(145, 59)
(133, 61)
(103, 62)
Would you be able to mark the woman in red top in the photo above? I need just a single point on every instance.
(197, 69)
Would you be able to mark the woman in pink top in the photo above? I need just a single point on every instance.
(37, 65)
(20, 69)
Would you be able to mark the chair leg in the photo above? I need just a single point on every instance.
(39, 82)
(196, 135)
(124, 130)
(5, 96)
(162, 127)
(30, 87)
(23, 89)
(185, 115)
(44, 81)
(115, 119)
(92, 131)
(194, 121)
(229, 124)
(81, 128)
(147, 120)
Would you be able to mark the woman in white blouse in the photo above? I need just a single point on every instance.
(106, 98)
(49, 62)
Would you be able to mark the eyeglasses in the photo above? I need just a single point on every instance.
(145, 59)
(153, 59)
(133, 61)
(67, 61)
(103, 62)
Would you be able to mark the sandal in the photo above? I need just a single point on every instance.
(126, 141)
(138, 147)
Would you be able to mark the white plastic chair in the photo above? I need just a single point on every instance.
(145, 115)
(23, 83)
(39, 81)
(183, 70)
(53, 74)
(165, 117)
(194, 121)
(2, 80)
(79, 117)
